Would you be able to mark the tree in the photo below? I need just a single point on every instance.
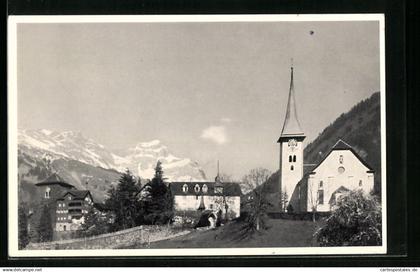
(23, 227)
(356, 221)
(122, 201)
(95, 224)
(45, 230)
(158, 205)
(256, 200)
(314, 198)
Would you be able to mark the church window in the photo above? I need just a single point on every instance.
(320, 197)
(341, 159)
(205, 188)
(197, 188)
(64, 227)
(321, 184)
(294, 158)
(185, 188)
(341, 170)
(291, 168)
(360, 183)
(290, 158)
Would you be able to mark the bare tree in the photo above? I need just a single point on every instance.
(313, 198)
(256, 201)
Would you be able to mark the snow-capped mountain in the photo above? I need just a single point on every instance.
(140, 159)
(143, 158)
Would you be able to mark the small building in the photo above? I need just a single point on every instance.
(207, 196)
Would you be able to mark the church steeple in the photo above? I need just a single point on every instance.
(291, 126)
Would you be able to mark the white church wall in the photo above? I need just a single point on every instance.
(340, 168)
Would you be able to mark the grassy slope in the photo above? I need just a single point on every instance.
(282, 233)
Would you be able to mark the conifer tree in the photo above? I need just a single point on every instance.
(159, 206)
(23, 227)
(45, 230)
(122, 201)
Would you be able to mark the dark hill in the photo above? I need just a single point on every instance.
(360, 127)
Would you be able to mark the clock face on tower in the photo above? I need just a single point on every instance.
(292, 144)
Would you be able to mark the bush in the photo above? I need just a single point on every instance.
(356, 221)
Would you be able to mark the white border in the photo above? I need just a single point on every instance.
(12, 135)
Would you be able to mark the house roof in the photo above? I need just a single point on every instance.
(291, 126)
(229, 188)
(77, 194)
(54, 179)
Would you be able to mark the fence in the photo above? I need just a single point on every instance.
(141, 235)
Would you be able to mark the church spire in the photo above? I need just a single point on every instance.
(291, 126)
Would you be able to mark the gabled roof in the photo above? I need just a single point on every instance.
(229, 188)
(77, 194)
(291, 126)
(54, 179)
(342, 145)
(339, 145)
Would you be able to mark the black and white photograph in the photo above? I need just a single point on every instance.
(154, 135)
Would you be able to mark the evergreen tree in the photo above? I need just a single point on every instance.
(23, 227)
(159, 206)
(122, 201)
(45, 230)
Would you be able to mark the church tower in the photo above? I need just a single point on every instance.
(291, 150)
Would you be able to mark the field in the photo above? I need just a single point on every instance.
(281, 233)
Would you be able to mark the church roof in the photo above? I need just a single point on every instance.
(341, 145)
(54, 179)
(291, 126)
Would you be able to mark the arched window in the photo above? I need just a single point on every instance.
(320, 197)
(64, 227)
(321, 184)
(205, 188)
(197, 188)
(360, 183)
(290, 158)
(185, 188)
(294, 158)
(292, 168)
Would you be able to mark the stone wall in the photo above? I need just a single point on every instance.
(141, 234)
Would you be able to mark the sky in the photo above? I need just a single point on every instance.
(209, 91)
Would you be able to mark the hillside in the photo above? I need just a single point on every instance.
(360, 127)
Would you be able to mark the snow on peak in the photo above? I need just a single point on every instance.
(142, 158)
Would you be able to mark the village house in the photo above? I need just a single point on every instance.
(67, 205)
(305, 188)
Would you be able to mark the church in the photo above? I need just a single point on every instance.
(316, 187)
